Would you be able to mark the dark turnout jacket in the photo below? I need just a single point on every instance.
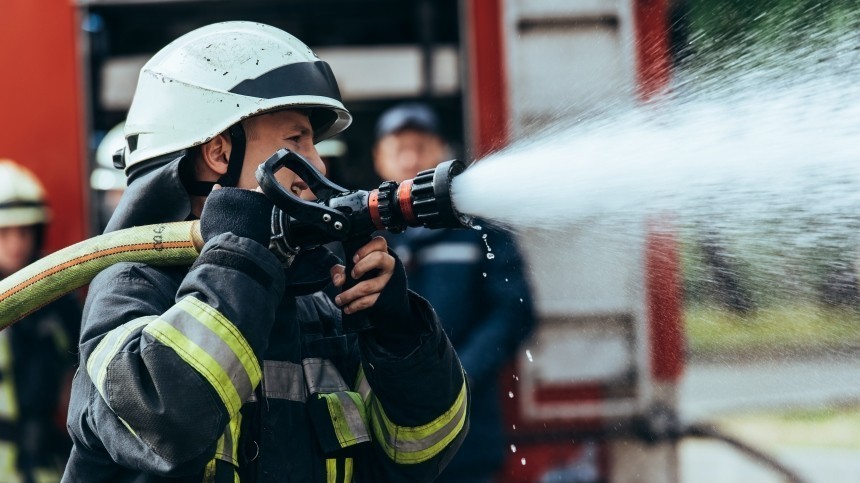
(486, 314)
(236, 369)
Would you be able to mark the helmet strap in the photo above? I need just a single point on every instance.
(234, 165)
(237, 156)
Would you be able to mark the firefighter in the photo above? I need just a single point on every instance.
(106, 182)
(36, 354)
(487, 313)
(236, 368)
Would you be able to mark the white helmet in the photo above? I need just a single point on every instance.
(206, 81)
(22, 198)
(106, 177)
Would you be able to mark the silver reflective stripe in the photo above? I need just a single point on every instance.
(213, 345)
(353, 409)
(412, 446)
(224, 450)
(362, 386)
(284, 380)
(322, 376)
(449, 253)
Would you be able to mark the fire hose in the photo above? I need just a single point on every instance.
(337, 215)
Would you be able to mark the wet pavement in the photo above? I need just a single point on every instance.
(711, 390)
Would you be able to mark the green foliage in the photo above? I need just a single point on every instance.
(778, 330)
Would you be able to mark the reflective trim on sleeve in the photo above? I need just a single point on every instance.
(284, 380)
(209, 472)
(348, 417)
(322, 376)
(213, 346)
(109, 347)
(411, 445)
(227, 448)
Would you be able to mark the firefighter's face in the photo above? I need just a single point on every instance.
(17, 247)
(268, 133)
(401, 155)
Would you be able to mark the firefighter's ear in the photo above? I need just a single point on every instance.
(215, 154)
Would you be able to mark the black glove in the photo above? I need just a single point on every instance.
(395, 326)
(239, 211)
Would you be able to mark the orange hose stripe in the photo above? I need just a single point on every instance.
(92, 256)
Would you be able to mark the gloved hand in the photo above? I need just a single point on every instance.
(384, 296)
(394, 326)
(239, 211)
(392, 312)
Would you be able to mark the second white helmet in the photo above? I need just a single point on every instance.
(22, 197)
(206, 81)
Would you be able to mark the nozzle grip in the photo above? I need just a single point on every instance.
(329, 220)
(359, 321)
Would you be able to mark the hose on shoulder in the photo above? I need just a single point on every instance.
(49, 278)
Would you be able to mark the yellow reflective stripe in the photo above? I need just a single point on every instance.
(202, 362)
(410, 445)
(209, 472)
(338, 420)
(8, 398)
(127, 426)
(46, 475)
(9, 463)
(227, 448)
(213, 346)
(227, 332)
(108, 348)
(348, 417)
(331, 470)
(347, 470)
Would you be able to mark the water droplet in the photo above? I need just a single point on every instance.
(529, 355)
(511, 394)
(521, 300)
(484, 274)
(490, 256)
(514, 427)
(516, 378)
(506, 280)
(513, 448)
(523, 461)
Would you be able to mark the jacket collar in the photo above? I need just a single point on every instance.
(154, 196)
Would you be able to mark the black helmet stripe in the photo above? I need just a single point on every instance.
(21, 204)
(300, 79)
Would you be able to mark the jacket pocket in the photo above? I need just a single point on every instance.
(339, 419)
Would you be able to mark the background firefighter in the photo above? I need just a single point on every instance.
(36, 355)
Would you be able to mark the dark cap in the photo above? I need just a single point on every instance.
(408, 116)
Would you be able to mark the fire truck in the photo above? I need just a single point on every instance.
(592, 396)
